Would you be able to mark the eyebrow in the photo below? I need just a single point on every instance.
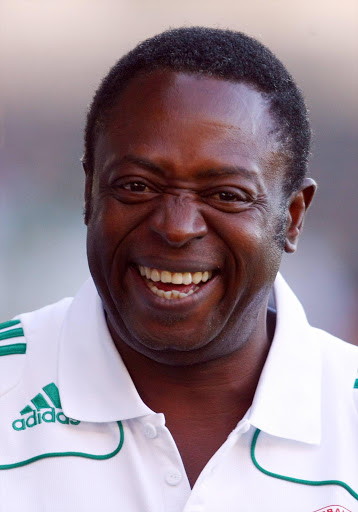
(221, 171)
(142, 162)
(234, 170)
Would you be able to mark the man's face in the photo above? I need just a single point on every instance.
(187, 188)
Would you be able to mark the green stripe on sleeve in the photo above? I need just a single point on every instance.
(16, 348)
(12, 333)
(10, 323)
(356, 384)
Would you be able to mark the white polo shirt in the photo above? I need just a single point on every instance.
(76, 436)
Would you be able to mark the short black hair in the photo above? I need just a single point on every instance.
(216, 53)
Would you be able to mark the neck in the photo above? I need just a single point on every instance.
(202, 402)
(211, 386)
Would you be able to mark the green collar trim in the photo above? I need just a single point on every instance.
(70, 454)
(296, 480)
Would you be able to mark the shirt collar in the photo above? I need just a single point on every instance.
(287, 401)
(95, 385)
(93, 381)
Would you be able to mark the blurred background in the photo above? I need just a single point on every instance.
(53, 54)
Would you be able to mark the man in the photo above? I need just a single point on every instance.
(168, 384)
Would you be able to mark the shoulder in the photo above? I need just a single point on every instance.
(335, 350)
(339, 379)
(31, 336)
(44, 320)
(339, 360)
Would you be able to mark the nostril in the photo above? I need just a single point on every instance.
(178, 222)
(178, 237)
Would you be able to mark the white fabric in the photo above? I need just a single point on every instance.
(304, 407)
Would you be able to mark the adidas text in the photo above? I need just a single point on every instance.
(49, 416)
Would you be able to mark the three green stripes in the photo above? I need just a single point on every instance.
(6, 333)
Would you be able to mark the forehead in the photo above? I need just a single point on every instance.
(188, 115)
(192, 95)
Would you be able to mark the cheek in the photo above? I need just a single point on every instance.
(111, 224)
(251, 246)
(105, 233)
(241, 233)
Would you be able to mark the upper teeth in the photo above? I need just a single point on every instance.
(175, 277)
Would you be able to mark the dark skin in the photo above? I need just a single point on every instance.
(189, 177)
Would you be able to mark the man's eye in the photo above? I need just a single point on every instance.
(228, 197)
(136, 186)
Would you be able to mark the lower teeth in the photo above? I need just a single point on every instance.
(172, 294)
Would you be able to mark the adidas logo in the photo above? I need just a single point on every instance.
(37, 415)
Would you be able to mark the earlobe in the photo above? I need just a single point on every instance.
(298, 206)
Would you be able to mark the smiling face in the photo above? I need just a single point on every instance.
(186, 203)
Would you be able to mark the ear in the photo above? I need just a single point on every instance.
(88, 191)
(298, 206)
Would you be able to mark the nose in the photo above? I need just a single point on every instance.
(178, 220)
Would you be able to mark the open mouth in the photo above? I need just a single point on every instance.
(173, 285)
